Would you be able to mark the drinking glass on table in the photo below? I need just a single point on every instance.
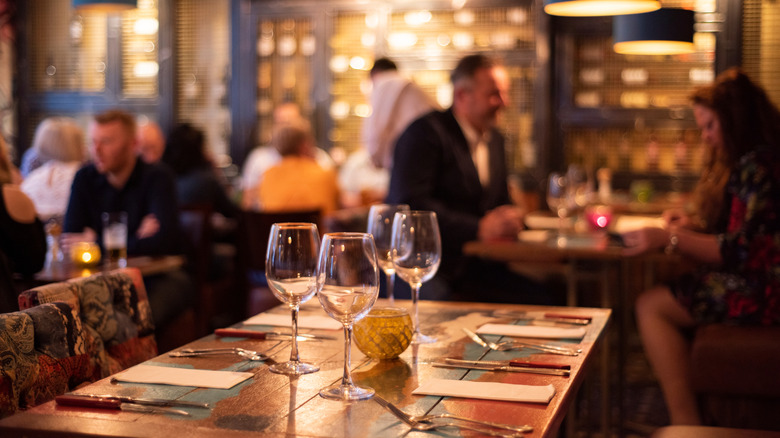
(115, 237)
(416, 256)
(380, 225)
(347, 287)
(291, 270)
(557, 198)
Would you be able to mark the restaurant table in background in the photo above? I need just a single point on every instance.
(269, 404)
(148, 265)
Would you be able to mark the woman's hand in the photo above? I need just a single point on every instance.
(676, 217)
(644, 240)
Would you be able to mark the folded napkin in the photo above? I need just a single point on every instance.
(487, 390)
(532, 331)
(308, 321)
(182, 376)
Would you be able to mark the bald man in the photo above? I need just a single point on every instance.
(150, 142)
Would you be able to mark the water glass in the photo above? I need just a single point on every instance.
(380, 225)
(416, 256)
(347, 287)
(291, 269)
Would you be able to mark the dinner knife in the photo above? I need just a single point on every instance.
(477, 366)
(511, 363)
(112, 403)
(159, 402)
(252, 334)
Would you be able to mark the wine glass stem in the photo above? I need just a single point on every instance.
(294, 350)
(346, 380)
(390, 283)
(415, 300)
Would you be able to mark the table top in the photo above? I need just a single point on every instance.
(148, 265)
(545, 246)
(270, 404)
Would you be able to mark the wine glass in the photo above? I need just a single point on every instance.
(347, 287)
(416, 256)
(380, 225)
(557, 198)
(291, 269)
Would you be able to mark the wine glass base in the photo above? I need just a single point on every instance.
(293, 368)
(419, 338)
(346, 392)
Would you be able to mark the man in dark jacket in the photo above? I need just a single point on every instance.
(453, 162)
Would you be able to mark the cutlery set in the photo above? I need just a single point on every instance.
(131, 404)
(425, 422)
(252, 334)
(509, 366)
(515, 345)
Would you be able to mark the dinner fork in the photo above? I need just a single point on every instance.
(424, 422)
(512, 345)
(191, 352)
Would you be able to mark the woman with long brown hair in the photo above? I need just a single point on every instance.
(733, 233)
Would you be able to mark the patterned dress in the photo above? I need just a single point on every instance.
(745, 289)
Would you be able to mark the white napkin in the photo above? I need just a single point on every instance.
(487, 390)
(308, 321)
(532, 331)
(182, 376)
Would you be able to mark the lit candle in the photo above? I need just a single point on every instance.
(85, 254)
(599, 216)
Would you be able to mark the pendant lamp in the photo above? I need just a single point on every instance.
(595, 8)
(104, 5)
(666, 31)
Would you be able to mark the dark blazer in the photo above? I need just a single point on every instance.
(433, 170)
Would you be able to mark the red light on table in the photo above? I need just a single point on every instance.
(598, 216)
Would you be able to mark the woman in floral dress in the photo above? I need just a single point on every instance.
(732, 232)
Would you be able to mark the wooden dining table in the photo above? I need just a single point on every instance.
(271, 404)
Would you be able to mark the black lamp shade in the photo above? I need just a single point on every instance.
(666, 31)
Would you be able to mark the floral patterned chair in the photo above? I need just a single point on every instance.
(43, 353)
(105, 321)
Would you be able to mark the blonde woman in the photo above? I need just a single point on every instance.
(61, 142)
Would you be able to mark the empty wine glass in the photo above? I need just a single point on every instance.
(291, 269)
(347, 287)
(380, 225)
(416, 256)
(557, 198)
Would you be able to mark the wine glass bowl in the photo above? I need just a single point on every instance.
(347, 288)
(416, 255)
(380, 225)
(291, 270)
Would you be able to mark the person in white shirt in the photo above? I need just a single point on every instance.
(395, 103)
(61, 141)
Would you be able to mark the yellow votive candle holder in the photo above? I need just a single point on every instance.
(384, 333)
(85, 254)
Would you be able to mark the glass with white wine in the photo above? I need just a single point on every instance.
(380, 225)
(291, 270)
(416, 256)
(347, 287)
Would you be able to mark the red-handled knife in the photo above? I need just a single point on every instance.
(80, 401)
(527, 364)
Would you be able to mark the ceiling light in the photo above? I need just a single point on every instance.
(594, 8)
